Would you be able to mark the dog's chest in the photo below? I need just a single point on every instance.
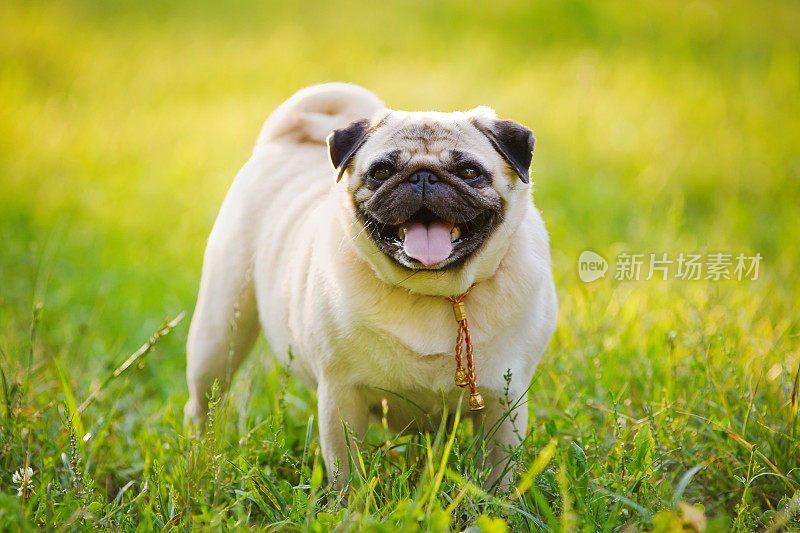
(382, 360)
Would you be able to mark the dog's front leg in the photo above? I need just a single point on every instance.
(508, 434)
(340, 405)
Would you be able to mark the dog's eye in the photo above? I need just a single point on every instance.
(469, 173)
(382, 172)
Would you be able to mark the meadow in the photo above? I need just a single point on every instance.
(662, 127)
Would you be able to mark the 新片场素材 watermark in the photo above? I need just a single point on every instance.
(663, 266)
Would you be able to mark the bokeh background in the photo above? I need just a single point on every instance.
(661, 127)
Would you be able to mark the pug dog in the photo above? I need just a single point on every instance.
(342, 238)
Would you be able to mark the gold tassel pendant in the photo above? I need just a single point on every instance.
(475, 401)
(461, 377)
(465, 377)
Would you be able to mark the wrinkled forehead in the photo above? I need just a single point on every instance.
(426, 135)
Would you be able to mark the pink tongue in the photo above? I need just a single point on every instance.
(428, 244)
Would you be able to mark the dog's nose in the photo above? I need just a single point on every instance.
(423, 179)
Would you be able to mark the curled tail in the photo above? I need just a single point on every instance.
(312, 113)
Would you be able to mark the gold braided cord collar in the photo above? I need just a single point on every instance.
(465, 378)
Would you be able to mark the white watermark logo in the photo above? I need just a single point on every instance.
(685, 266)
(591, 266)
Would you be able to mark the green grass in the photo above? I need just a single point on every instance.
(662, 127)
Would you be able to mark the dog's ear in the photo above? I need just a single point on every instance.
(514, 142)
(343, 144)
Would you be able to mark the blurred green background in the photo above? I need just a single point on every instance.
(666, 127)
(661, 127)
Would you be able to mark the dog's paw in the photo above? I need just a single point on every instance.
(194, 414)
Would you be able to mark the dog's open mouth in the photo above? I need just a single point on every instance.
(429, 242)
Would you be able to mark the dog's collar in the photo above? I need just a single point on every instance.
(465, 378)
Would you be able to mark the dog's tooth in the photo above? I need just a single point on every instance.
(455, 233)
(401, 232)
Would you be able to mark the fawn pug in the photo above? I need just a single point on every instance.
(341, 238)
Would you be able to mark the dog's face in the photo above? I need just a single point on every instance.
(433, 195)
